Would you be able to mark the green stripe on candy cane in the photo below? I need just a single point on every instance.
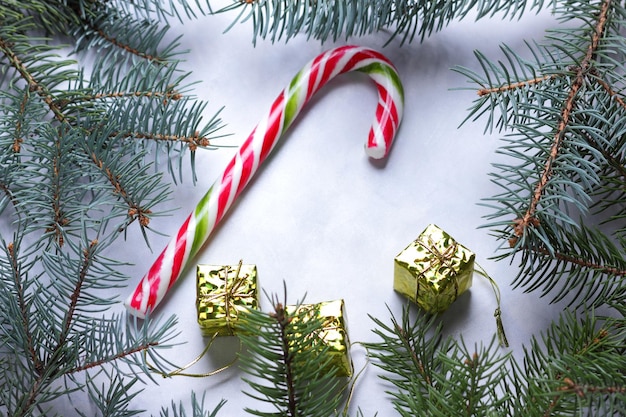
(213, 206)
(291, 107)
(202, 224)
(385, 71)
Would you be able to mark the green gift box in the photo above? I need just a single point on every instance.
(433, 270)
(222, 292)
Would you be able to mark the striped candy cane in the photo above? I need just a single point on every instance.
(216, 202)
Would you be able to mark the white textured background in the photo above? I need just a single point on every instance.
(323, 218)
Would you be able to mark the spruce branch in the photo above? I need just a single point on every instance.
(197, 409)
(68, 339)
(8, 50)
(74, 175)
(288, 362)
(585, 264)
(529, 218)
(331, 20)
(575, 368)
(563, 109)
(434, 375)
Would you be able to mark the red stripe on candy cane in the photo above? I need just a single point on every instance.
(181, 250)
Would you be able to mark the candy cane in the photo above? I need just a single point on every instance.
(218, 199)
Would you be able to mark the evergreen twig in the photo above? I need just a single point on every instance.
(563, 180)
(73, 177)
(576, 367)
(288, 364)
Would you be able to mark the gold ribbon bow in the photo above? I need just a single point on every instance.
(230, 293)
(440, 259)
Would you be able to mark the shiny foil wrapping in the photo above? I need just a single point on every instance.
(334, 333)
(223, 291)
(433, 270)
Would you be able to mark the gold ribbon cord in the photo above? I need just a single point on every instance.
(498, 313)
(352, 384)
(181, 371)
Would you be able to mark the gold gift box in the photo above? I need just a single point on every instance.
(433, 270)
(223, 291)
(334, 333)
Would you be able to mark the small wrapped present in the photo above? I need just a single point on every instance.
(222, 291)
(433, 270)
(334, 333)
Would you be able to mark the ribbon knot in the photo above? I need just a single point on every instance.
(438, 259)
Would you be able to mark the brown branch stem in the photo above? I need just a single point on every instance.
(7, 191)
(33, 84)
(17, 138)
(135, 211)
(192, 141)
(610, 91)
(283, 320)
(113, 358)
(529, 219)
(516, 85)
(416, 361)
(55, 354)
(59, 218)
(609, 270)
(82, 276)
(114, 41)
(165, 95)
(595, 341)
(21, 300)
(582, 390)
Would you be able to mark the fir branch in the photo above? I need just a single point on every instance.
(165, 96)
(192, 141)
(117, 356)
(584, 268)
(436, 376)
(583, 390)
(575, 368)
(416, 349)
(70, 185)
(19, 130)
(288, 365)
(331, 20)
(161, 11)
(515, 86)
(85, 264)
(117, 31)
(611, 92)
(529, 218)
(59, 221)
(22, 304)
(580, 261)
(197, 409)
(565, 155)
(573, 353)
(31, 81)
(113, 396)
(135, 211)
(127, 48)
(4, 187)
